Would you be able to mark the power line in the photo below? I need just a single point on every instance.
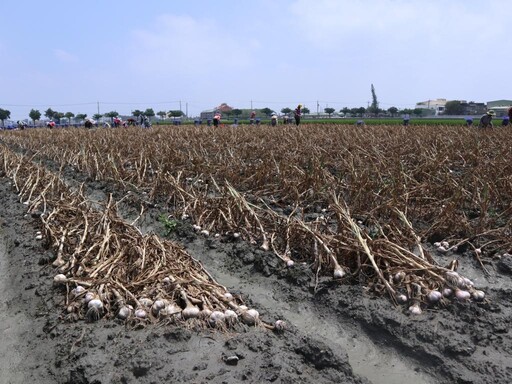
(45, 105)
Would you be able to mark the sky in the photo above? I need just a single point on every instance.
(121, 55)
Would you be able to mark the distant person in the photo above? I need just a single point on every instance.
(273, 120)
(286, 119)
(505, 122)
(88, 124)
(252, 117)
(406, 119)
(360, 123)
(21, 124)
(216, 119)
(50, 124)
(297, 114)
(145, 122)
(469, 121)
(486, 120)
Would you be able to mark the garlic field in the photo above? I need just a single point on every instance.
(326, 253)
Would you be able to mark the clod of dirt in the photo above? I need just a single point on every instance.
(231, 360)
(318, 354)
(505, 264)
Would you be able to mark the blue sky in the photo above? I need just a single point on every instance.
(126, 55)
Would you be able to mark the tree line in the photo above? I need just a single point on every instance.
(56, 116)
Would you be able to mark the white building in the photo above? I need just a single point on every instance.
(437, 105)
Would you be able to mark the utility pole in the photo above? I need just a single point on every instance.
(98, 107)
(317, 106)
(186, 109)
(180, 105)
(251, 105)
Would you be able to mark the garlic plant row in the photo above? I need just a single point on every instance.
(111, 270)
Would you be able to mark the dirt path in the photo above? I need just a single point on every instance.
(377, 363)
(25, 349)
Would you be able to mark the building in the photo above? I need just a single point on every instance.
(208, 114)
(499, 106)
(473, 108)
(436, 105)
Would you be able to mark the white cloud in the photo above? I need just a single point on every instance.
(389, 23)
(182, 45)
(65, 56)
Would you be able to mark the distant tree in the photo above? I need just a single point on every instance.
(97, 116)
(393, 111)
(176, 113)
(359, 111)
(58, 116)
(236, 112)
(417, 112)
(34, 114)
(111, 114)
(81, 116)
(374, 107)
(345, 111)
(305, 110)
(69, 116)
(4, 115)
(329, 111)
(286, 111)
(453, 107)
(149, 112)
(137, 113)
(267, 111)
(50, 113)
(162, 114)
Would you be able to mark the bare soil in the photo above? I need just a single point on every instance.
(337, 333)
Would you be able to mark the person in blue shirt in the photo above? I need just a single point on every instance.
(406, 119)
(505, 122)
(469, 121)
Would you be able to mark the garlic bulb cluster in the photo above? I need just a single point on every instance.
(339, 273)
(250, 316)
(60, 279)
(230, 316)
(216, 317)
(95, 309)
(77, 291)
(415, 309)
(280, 325)
(399, 277)
(125, 312)
(434, 296)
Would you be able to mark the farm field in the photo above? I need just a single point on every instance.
(324, 253)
